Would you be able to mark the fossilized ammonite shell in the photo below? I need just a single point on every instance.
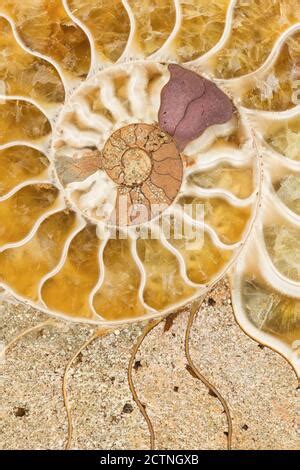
(147, 148)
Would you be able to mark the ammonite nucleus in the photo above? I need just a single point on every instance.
(120, 119)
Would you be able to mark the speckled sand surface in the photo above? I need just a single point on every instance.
(259, 385)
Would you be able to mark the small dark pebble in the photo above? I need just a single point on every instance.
(170, 320)
(261, 346)
(20, 412)
(127, 408)
(211, 301)
(80, 357)
(137, 365)
(176, 389)
(245, 427)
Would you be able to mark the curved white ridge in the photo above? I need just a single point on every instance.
(137, 87)
(269, 62)
(58, 205)
(80, 224)
(67, 83)
(203, 62)
(95, 196)
(110, 101)
(253, 331)
(104, 239)
(182, 265)
(29, 182)
(87, 118)
(196, 191)
(96, 62)
(203, 226)
(165, 52)
(142, 272)
(132, 50)
(209, 136)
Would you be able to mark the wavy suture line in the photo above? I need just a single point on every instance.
(204, 226)
(194, 310)
(40, 135)
(182, 265)
(137, 85)
(143, 275)
(278, 158)
(37, 169)
(271, 274)
(281, 210)
(163, 53)
(131, 49)
(78, 139)
(146, 40)
(242, 56)
(107, 25)
(58, 206)
(50, 113)
(210, 159)
(147, 329)
(269, 89)
(69, 56)
(203, 61)
(37, 54)
(30, 73)
(284, 208)
(88, 119)
(272, 115)
(23, 184)
(101, 274)
(221, 193)
(97, 334)
(76, 230)
(270, 60)
(216, 159)
(12, 342)
(40, 146)
(110, 101)
(142, 407)
(184, 45)
(250, 265)
(89, 36)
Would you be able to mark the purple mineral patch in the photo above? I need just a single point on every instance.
(190, 104)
